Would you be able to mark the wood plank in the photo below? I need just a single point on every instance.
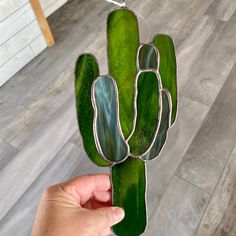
(205, 159)
(42, 21)
(23, 57)
(18, 42)
(221, 9)
(179, 211)
(191, 52)
(53, 7)
(212, 69)
(38, 45)
(46, 3)
(36, 155)
(9, 7)
(76, 138)
(40, 110)
(7, 153)
(10, 68)
(179, 15)
(220, 216)
(15, 22)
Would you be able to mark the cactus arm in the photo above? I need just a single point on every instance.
(123, 43)
(107, 133)
(129, 189)
(167, 68)
(86, 71)
(147, 101)
(163, 128)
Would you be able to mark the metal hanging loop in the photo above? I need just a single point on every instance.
(117, 3)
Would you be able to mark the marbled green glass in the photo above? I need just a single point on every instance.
(129, 189)
(167, 68)
(124, 116)
(147, 113)
(86, 71)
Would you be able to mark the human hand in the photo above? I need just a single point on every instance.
(79, 207)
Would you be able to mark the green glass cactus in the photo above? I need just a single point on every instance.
(124, 116)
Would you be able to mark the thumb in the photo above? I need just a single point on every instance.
(105, 217)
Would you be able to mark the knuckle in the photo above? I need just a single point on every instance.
(49, 191)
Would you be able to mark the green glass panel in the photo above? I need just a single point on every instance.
(109, 136)
(129, 189)
(167, 68)
(148, 58)
(86, 71)
(123, 43)
(163, 128)
(147, 101)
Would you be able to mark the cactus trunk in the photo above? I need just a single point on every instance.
(129, 188)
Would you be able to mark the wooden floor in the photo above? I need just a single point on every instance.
(192, 186)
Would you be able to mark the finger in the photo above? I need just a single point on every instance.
(104, 218)
(106, 232)
(83, 187)
(102, 196)
(94, 204)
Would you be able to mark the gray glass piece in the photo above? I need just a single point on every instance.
(147, 57)
(108, 135)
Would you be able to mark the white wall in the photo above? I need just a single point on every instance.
(20, 36)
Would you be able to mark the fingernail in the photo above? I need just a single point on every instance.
(119, 213)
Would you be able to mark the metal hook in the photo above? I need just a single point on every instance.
(117, 3)
(123, 3)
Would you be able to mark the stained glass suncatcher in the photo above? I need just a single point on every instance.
(124, 116)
